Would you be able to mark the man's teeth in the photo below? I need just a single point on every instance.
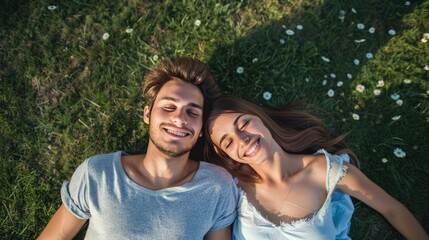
(250, 152)
(176, 133)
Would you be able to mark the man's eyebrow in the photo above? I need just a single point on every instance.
(194, 105)
(235, 123)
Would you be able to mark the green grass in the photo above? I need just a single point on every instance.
(66, 94)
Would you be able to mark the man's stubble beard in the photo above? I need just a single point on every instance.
(170, 152)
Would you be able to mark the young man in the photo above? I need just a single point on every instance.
(161, 194)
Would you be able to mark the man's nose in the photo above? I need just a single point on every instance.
(179, 117)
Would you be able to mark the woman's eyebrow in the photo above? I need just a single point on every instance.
(235, 123)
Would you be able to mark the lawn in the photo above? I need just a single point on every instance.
(71, 75)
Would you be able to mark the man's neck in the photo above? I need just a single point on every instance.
(156, 170)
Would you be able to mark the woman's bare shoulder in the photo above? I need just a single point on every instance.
(315, 167)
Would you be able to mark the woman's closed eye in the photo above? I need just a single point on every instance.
(245, 123)
(228, 143)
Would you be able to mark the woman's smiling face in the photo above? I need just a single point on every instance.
(243, 137)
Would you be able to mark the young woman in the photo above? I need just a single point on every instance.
(294, 178)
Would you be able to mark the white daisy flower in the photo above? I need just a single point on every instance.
(356, 62)
(307, 79)
(371, 30)
(240, 70)
(380, 83)
(426, 67)
(360, 26)
(407, 3)
(197, 22)
(155, 57)
(369, 55)
(349, 76)
(267, 95)
(399, 102)
(426, 35)
(129, 30)
(392, 32)
(355, 116)
(360, 40)
(299, 27)
(52, 7)
(284, 26)
(282, 41)
(424, 40)
(360, 88)
(290, 32)
(377, 92)
(340, 83)
(105, 36)
(254, 60)
(331, 93)
(324, 82)
(333, 75)
(399, 153)
(407, 81)
(384, 160)
(354, 10)
(396, 118)
(325, 59)
(395, 96)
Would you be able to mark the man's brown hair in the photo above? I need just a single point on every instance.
(185, 69)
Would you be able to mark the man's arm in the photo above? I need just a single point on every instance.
(63, 225)
(219, 234)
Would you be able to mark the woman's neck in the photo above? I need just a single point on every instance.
(277, 169)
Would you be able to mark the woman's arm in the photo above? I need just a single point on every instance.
(357, 185)
(63, 225)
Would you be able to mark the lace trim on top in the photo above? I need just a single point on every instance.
(320, 212)
(343, 172)
(293, 223)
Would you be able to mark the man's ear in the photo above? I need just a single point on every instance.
(146, 114)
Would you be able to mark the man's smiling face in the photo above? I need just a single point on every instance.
(175, 120)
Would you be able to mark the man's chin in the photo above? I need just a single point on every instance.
(174, 154)
(172, 151)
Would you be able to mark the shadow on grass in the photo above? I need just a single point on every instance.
(291, 68)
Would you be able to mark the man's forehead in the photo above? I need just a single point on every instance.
(179, 91)
(178, 100)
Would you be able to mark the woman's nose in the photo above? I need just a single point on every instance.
(244, 140)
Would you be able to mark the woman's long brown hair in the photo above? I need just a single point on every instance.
(296, 131)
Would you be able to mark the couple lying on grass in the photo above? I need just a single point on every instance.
(290, 179)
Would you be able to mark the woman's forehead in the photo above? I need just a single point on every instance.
(223, 121)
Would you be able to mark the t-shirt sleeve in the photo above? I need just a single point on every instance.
(227, 209)
(74, 193)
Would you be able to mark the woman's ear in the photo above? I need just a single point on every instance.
(146, 114)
